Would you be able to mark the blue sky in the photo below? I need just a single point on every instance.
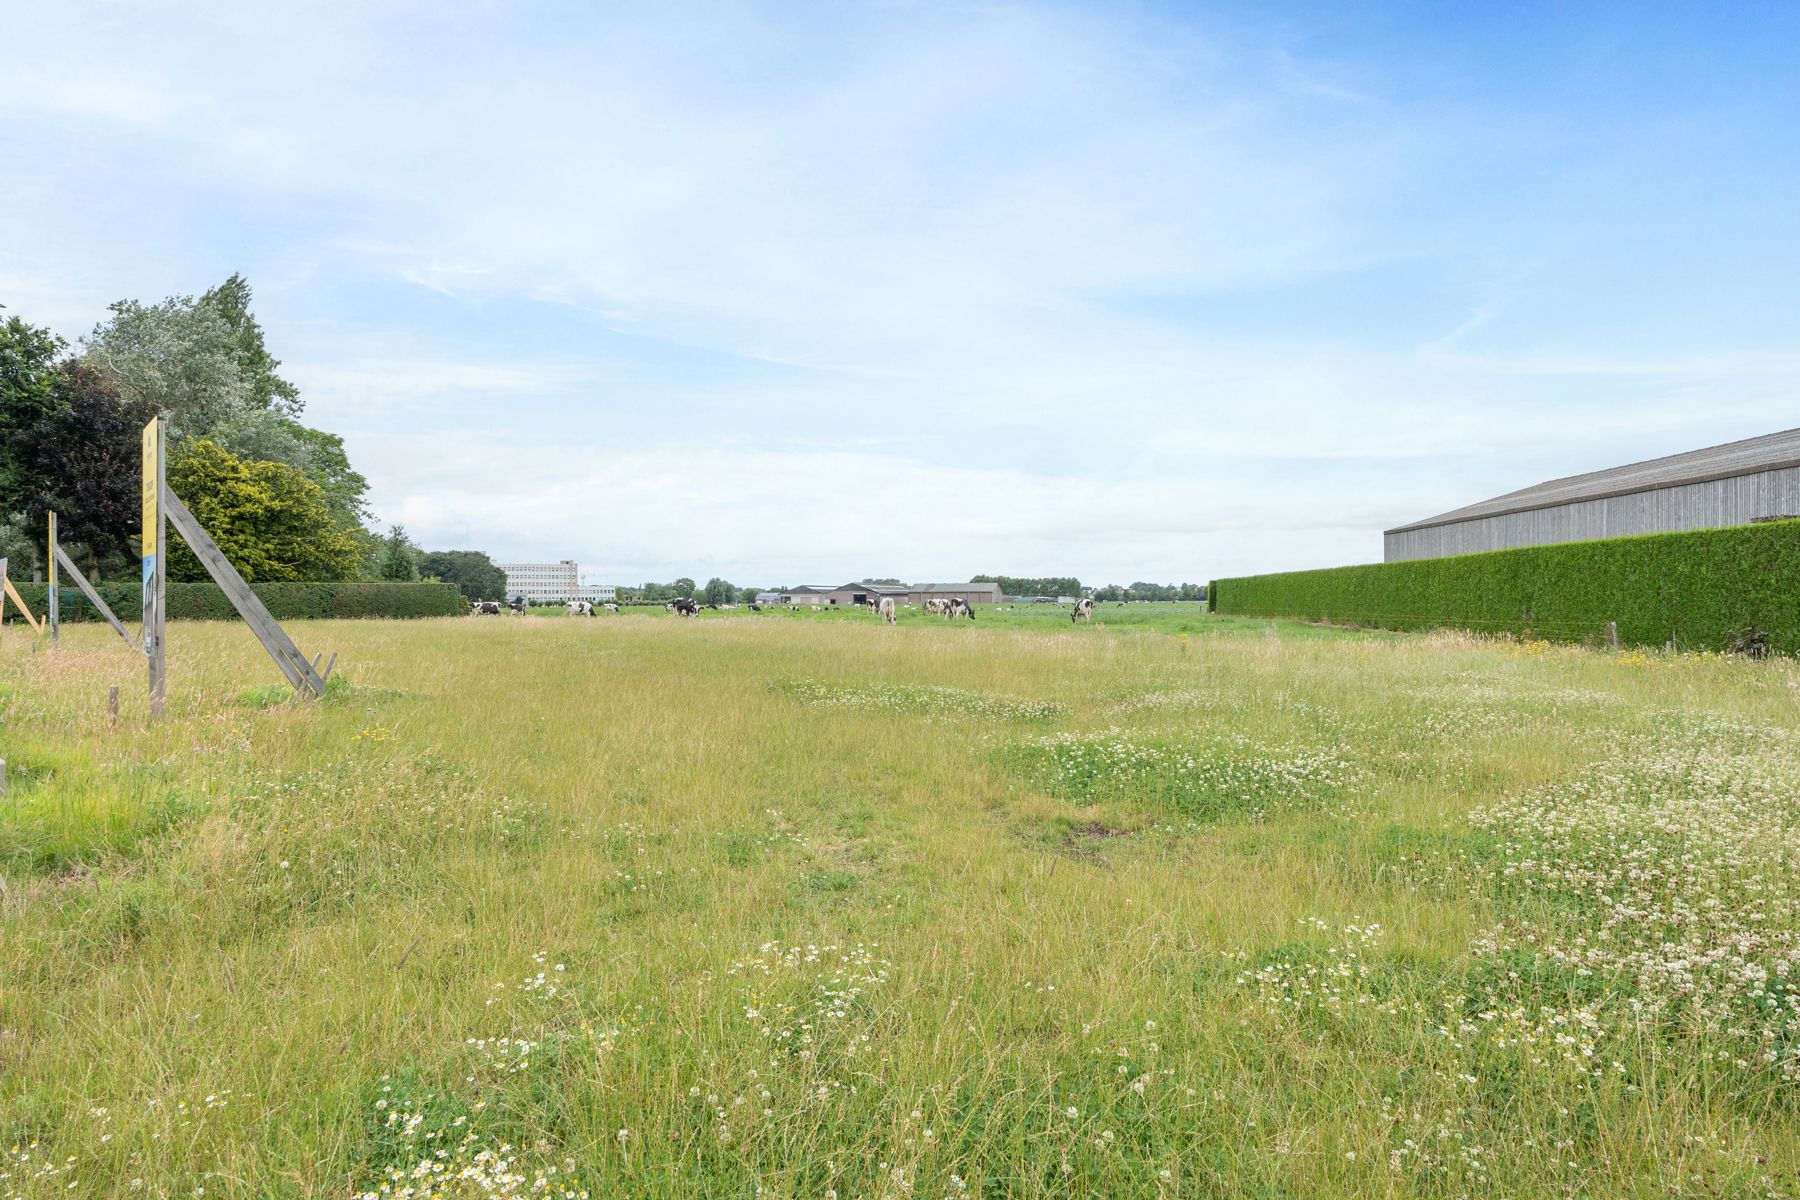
(796, 292)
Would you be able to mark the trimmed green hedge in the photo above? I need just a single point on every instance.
(285, 601)
(1697, 587)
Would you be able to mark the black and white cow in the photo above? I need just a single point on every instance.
(485, 608)
(1084, 610)
(610, 607)
(684, 607)
(580, 608)
(517, 604)
(959, 607)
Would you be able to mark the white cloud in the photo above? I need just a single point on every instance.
(952, 250)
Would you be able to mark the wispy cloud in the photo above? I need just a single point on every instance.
(1146, 292)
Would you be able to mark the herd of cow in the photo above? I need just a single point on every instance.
(949, 607)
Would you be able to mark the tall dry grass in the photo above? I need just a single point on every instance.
(804, 908)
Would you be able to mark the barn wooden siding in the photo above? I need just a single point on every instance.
(1708, 504)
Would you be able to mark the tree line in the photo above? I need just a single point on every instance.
(279, 496)
(1151, 591)
(1068, 585)
(715, 591)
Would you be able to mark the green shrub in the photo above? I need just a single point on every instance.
(285, 601)
(1699, 588)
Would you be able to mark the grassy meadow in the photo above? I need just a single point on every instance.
(804, 906)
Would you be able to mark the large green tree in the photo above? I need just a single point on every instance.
(271, 521)
(474, 573)
(255, 365)
(177, 356)
(204, 361)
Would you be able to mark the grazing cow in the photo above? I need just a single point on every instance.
(610, 607)
(517, 605)
(959, 607)
(1084, 611)
(485, 608)
(936, 607)
(579, 608)
(684, 607)
(885, 608)
(755, 607)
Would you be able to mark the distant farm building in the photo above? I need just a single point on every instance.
(1738, 483)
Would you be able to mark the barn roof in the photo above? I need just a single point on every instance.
(1770, 452)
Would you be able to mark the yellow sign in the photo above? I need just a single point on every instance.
(152, 472)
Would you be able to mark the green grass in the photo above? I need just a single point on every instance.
(1166, 906)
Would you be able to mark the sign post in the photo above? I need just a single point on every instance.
(153, 559)
(55, 608)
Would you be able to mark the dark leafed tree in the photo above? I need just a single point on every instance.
(683, 586)
(27, 395)
(84, 459)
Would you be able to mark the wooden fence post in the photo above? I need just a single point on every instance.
(154, 567)
(55, 614)
(1612, 634)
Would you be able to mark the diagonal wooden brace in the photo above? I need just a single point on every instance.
(275, 640)
(87, 589)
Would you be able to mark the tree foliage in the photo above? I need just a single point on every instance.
(266, 390)
(473, 573)
(69, 427)
(398, 560)
(83, 459)
(176, 357)
(27, 395)
(271, 521)
(1019, 585)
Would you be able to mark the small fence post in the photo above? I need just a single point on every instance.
(1612, 634)
(112, 705)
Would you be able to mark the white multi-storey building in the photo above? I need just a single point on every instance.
(542, 583)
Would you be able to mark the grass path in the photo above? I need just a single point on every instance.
(810, 907)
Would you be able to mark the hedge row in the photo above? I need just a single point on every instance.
(285, 601)
(1700, 588)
